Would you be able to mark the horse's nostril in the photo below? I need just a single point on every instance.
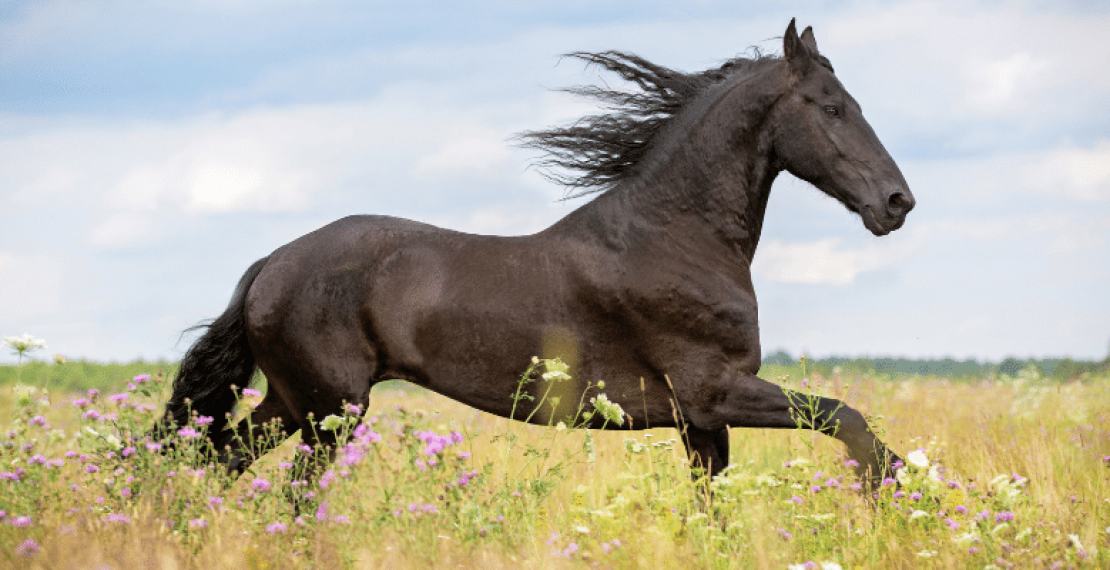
(898, 203)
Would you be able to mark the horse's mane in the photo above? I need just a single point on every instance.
(606, 148)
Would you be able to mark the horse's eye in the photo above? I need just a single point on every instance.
(832, 111)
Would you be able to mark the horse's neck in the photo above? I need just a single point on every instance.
(715, 198)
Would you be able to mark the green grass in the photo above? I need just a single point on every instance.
(1019, 476)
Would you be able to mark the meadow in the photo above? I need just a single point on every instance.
(1002, 472)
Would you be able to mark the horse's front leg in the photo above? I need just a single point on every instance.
(749, 401)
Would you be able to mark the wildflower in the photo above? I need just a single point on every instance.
(332, 423)
(354, 409)
(1004, 516)
(117, 398)
(80, 402)
(784, 534)
(127, 451)
(214, 502)
(851, 463)
(125, 492)
(611, 411)
(341, 520)
(260, 485)
(961, 509)
(285, 465)
(918, 514)
(952, 525)
(188, 432)
(198, 523)
(153, 446)
(117, 518)
(21, 521)
(27, 548)
(141, 378)
(91, 415)
(202, 420)
(888, 482)
(251, 392)
(815, 489)
(918, 459)
(915, 496)
(899, 494)
(327, 479)
(797, 499)
(275, 528)
(322, 512)
(90, 468)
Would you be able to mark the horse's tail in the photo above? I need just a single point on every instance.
(220, 359)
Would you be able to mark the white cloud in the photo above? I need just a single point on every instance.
(30, 285)
(823, 262)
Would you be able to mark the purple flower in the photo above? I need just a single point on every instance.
(255, 393)
(953, 485)
(21, 521)
(27, 548)
(90, 468)
(327, 479)
(261, 485)
(275, 528)
(81, 402)
(815, 489)
(141, 378)
(125, 492)
(851, 463)
(784, 534)
(127, 451)
(797, 499)
(342, 520)
(899, 494)
(198, 523)
(188, 432)
(117, 398)
(353, 409)
(1004, 516)
(322, 512)
(888, 482)
(214, 502)
(915, 496)
(153, 446)
(961, 509)
(202, 420)
(117, 518)
(952, 525)
(10, 476)
(90, 415)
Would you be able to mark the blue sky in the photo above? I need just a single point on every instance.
(150, 151)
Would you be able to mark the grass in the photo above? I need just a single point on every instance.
(1017, 475)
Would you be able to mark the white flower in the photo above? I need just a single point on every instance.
(332, 423)
(611, 411)
(556, 370)
(917, 458)
(918, 514)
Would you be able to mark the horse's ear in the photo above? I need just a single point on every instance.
(796, 51)
(808, 39)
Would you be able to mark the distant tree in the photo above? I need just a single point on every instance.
(779, 357)
(1011, 366)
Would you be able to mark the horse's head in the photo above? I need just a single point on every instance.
(820, 136)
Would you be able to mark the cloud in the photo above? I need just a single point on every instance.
(29, 285)
(824, 262)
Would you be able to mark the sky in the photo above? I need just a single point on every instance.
(151, 151)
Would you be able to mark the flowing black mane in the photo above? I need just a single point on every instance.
(606, 148)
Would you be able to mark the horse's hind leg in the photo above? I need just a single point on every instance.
(256, 435)
(708, 449)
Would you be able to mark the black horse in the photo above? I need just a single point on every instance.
(646, 287)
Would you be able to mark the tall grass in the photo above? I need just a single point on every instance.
(1004, 472)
